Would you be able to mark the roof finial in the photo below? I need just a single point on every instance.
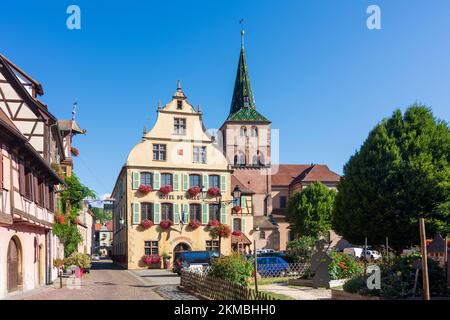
(74, 110)
(145, 130)
(179, 86)
(159, 104)
(241, 22)
(199, 110)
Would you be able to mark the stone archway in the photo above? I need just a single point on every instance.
(14, 265)
(181, 247)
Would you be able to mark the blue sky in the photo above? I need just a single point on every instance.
(317, 72)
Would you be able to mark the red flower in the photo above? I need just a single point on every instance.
(222, 230)
(165, 189)
(74, 151)
(165, 224)
(237, 209)
(77, 221)
(237, 233)
(213, 192)
(60, 218)
(146, 224)
(194, 191)
(145, 189)
(213, 223)
(194, 224)
(153, 259)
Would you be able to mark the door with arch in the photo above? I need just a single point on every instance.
(181, 247)
(14, 263)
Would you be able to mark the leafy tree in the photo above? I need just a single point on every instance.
(301, 249)
(311, 209)
(101, 215)
(402, 171)
(70, 204)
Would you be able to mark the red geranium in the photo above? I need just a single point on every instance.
(145, 189)
(213, 223)
(213, 192)
(237, 233)
(74, 151)
(194, 224)
(77, 221)
(146, 224)
(153, 259)
(222, 230)
(165, 224)
(60, 218)
(194, 191)
(165, 189)
(237, 209)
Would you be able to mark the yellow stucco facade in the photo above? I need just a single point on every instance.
(177, 152)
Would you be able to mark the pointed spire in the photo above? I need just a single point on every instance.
(179, 94)
(179, 86)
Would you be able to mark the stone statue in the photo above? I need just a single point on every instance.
(319, 265)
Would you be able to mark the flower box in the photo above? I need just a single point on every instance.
(237, 209)
(222, 230)
(74, 151)
(165, 189)
(165, 224)
(152, 260)
(213, 223)
(213, 192)
(237, 233)
(194, 191)
(194, 224)
(146, 224)
(145, 189)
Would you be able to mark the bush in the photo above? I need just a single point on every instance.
(301, 250)
(356, 284)
(344, 266)
(80, 260)
(234, 268)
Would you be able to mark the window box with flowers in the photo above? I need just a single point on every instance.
(213, 223)
(165, 224)
(220, 231)
(74, 151)
(194, 224)
(194, 191)
(237, 209)
(165, 189)
(146, 224)
(213, 192)
(237, 233)
(152, 261)
(145, 189)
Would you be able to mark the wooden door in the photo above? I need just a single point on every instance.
(13, 266)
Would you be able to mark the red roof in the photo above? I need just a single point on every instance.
(288, 173)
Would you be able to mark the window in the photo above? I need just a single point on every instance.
(159, 152)
(151, 248)
(237, 224)
(258, 159)
(179, 126)
(262, 234)
(40, 193)
(214, 181)
(212, 245)
(167, 211)
(166, 179)
(283, 201)
(147, 211)
(239, 159)
(28, 181)
(243, 132)
(179, 104)
(200, 154)
(254, 132)
(195, 212)
(146, 179)
(194, 180)
(214, 212)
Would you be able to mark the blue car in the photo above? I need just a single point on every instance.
(272, 266)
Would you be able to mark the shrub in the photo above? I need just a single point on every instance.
(356, 284)
(80, 260)
(344, 266)
(301, 250)
(235, 268)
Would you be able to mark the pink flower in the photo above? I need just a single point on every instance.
(146, 224)
(213, 191)
(145, 189)
(165, 224)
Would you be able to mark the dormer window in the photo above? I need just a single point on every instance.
(179, 105)
(246, 102)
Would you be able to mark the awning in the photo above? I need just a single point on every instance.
(242, 239)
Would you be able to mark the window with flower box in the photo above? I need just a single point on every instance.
(212, 245)
(214, 181)
(194, 180)
(167, 211)
(151, 248)
(146, 179)
(147, 211)
(195, 212)
(214, 212)
(166, 180)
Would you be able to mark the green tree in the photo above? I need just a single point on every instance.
(101, 215)
(70, 204)
(301, 249)
(402, 171)
(311, 209)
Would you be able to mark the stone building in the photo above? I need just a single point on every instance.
(160, 182)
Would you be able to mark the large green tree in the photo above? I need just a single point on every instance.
(401, 172)
(310, 211)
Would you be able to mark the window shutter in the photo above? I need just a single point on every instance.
(176, 213)
(244, 204)
(136, 212)
(156, 213)
(223, 184)
(223, 215)
(135, 178)
(204, 213)
(185, 182)
(156, 180)
(176, 182)
(21, 178)
(243, 227)
(205, 181)
(186, 213)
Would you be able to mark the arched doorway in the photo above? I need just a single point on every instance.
(14, 265)
(181, 247)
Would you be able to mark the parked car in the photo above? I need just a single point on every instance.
(193, 260)
(263, 251)
(272, 266)
(371, 254)
(95, 257)
(355, 252)
(282, 255)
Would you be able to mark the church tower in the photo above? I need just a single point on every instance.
(246, 143)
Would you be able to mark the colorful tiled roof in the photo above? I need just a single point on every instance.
(286, 174)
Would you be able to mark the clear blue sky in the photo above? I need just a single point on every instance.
(317, 72)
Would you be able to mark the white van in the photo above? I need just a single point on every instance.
(355, 252)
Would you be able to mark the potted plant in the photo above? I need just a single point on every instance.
(213, 192)
(166, 260)
(145, 189)
(152, 261)
(165, 189)
(194, 191)
(146, 224)
(165, 224)
(213, 223)
(194, 224)
(237, 209)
